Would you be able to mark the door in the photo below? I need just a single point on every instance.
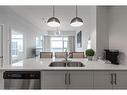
(103, 79)
(80, 79)
(53, 80)
(120, 80)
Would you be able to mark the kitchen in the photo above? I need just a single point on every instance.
(25, 35)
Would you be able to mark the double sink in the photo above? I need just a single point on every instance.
(66, 64)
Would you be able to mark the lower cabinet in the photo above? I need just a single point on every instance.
(102, 79)
(67, 80)
(80, 79)
(84, 79)
(53, 79)
(110, 79)
(120, 80)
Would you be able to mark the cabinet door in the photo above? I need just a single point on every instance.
(120, 80)
(80, 79)
(103, 79)
(53, 80)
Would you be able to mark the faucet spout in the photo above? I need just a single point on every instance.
(66, 57)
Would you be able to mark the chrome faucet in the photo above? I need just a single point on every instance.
(66, 57)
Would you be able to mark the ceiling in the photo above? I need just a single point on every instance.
(38, 15)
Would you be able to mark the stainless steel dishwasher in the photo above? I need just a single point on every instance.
(22, 80)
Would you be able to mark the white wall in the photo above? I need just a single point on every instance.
(15, 22)
(93, 28)
(4, 22)
(112, 30)
(20, 24)
(102, 36)
(88, 29)
(118, 31)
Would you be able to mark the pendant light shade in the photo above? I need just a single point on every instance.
(53, 21)
(76, 22)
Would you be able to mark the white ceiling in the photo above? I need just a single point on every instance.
(35, 15)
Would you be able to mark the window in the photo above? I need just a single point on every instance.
(16, 47)
(39, 45)
(59, 44)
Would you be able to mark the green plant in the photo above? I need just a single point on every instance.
(90, 52)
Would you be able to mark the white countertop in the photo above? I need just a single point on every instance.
(43, 64)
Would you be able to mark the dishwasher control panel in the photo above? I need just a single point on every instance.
(21, 75)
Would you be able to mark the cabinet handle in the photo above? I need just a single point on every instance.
(69, 79)
(65, 78)
(115, 79)
(112, 79)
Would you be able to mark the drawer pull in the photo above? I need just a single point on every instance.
(115, 79)
(69, 79)
(65, 78)
(112, 79)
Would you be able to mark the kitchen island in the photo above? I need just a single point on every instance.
(94, 74)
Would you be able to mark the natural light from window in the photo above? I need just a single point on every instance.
(16, 47)
(59, 44)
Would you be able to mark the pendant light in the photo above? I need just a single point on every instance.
(89, 43)
(76, 22)
(53, 21)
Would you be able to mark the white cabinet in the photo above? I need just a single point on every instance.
(84, 79)
(110, 79)
(53, 79)
(120, 80)
(80, 79)
(102, 79)
(67, 80)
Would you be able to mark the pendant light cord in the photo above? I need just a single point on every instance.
(53, 11)
(76, 10)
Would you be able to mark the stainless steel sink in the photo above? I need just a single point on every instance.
(57, 64)
(75, 64)
(66, 64)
